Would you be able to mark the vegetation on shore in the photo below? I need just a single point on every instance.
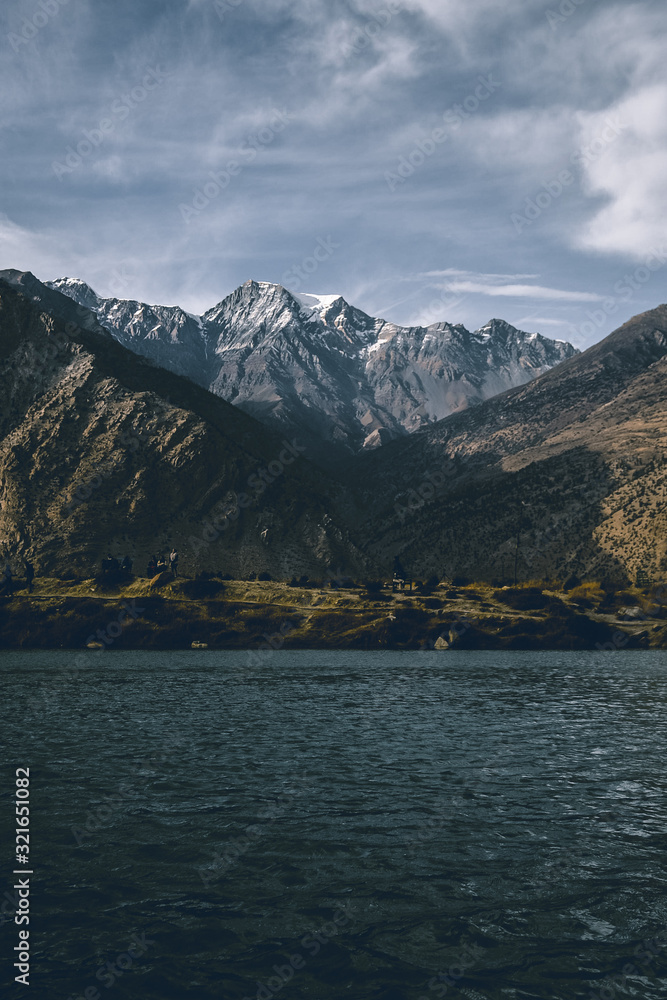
(254, 614)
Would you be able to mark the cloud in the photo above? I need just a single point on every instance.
(362, 89)
(26, 250)
(462, 19)
(537, 321)
(521, 291)
(455, 272)
(630, 177)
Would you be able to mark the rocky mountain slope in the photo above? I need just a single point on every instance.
(101, 451)
(573, 465)
(316, 366)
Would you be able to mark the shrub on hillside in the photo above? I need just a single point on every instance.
(112, 579)
(588, 595)
(523, 598)
(432, 603)
(202, 588)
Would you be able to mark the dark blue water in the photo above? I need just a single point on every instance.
(341, 825)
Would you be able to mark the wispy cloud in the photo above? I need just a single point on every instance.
(521, 291)
(456, 272)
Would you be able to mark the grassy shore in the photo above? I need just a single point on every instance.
(251, 615)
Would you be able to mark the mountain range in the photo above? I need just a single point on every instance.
(315, 366)
(103, 450)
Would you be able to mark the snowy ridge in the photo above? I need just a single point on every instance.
(315, 365)
(317, 303)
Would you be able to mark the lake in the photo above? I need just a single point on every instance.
(331, 825)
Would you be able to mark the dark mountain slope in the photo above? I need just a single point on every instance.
(575, 460)
(100, 450)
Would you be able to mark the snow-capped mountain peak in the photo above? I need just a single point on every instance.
(314, 365)
(78, 290)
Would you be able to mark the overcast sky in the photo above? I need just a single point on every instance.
(429, 160)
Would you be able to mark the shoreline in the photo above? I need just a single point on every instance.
(250, 616)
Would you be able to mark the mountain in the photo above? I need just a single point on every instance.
(166, 335)
(574, 464)
(316, 366)
(52, 300)
(101, 451)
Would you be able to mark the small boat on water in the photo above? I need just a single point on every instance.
(199, 645)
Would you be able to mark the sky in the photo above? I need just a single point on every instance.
(429, 160)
